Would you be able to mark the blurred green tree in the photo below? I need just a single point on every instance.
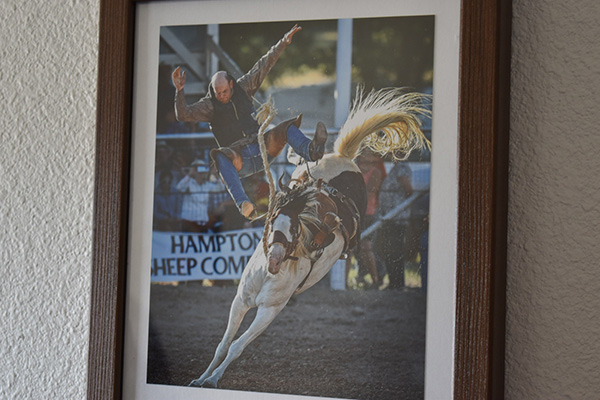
(394, 51)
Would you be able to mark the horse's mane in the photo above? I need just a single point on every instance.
(387, 121)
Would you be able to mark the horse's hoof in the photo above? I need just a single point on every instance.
(196, 383)
(209, 384)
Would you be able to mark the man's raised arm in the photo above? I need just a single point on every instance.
(254, 78)
(201, 111)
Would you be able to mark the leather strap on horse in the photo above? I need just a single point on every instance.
(342, 200)
(279, 237)
(331, 201)
(330, 223)
(323, 238)
(312, 264)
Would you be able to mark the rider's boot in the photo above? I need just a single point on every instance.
(317, 145)
(247, 209)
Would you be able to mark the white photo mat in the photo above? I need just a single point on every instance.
(439, 349)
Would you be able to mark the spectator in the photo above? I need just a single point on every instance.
(166, 205)
(420, 229)
(258, 190)
(216, 190)
(194, 210)
(391, 240)
(373, 171)
(163, 156)
(227, 217)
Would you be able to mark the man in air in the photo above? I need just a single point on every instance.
(229, 109)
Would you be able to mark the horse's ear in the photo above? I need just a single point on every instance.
(282, 186)
(280, 181)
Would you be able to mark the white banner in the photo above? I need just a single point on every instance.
(194, 256)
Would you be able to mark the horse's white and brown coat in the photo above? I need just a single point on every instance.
(270, 280)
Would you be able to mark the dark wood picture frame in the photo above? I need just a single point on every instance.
(482, 202)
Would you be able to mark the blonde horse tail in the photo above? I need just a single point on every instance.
(386, 121)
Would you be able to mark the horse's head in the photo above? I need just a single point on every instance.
(294, 210)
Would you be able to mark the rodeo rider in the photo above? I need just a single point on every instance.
(229, 110)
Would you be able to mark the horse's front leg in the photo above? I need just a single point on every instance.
(264, 317)
(236, 316)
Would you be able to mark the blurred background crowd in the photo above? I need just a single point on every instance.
(189, 194)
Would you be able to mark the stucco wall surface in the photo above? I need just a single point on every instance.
(48, 53)
(48, 57)
(553, 318)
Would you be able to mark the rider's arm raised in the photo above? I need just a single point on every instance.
(255, 77)
(200, 111)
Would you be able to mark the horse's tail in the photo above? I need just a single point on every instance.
(387, 121)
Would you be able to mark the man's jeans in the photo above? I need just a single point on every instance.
(252, 163)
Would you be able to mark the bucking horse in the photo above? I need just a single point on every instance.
(316, 217)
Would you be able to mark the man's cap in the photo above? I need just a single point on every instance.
(200, 165)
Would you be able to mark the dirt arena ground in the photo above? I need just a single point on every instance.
(352, 344)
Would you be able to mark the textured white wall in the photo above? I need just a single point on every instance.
(48, 57)
(48, 52)
(553, 322)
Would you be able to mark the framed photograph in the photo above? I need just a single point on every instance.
(416, 312)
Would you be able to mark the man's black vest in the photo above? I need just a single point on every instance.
(233, 121)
